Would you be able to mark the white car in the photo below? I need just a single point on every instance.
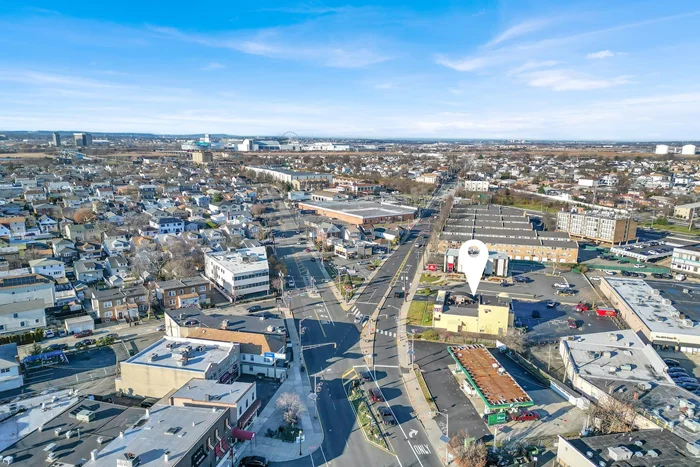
(290, 283)
(561, 285)
(639, 266)
(609, 273)
(595, 278)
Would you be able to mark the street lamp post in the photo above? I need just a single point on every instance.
(301, 432)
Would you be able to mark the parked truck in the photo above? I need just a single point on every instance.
(609, 312)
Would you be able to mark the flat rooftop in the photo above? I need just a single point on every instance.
(604, 354)
(242, 260)
(493, 381)
(107, 421)
(660, 304)
(168, 428)
(669, 449)
(362, 209)
(166, 353)
(200, 389)
(265, 322)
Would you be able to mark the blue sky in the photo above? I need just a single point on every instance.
(622, 70)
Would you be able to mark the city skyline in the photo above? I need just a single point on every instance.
(587, 71)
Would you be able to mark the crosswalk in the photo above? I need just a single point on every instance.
(386, 333)
(356, 312)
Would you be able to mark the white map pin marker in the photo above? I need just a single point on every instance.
(473, 256)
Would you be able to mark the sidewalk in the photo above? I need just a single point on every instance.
(413, 390)
(270, 418)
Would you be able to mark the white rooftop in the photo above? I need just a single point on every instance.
(617, 355)
(151, 440)
(657, 312)
(242, 260)
(199, 389)
(168, 352)
(18, 426)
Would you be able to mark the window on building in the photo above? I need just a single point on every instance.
(22, 323)
(15, 315)
(107, 305)
(4, 370)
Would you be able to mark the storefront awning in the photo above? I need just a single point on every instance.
(664, 342)
(242, 434)
(252, 410)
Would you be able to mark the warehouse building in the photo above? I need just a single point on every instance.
(665, 313)
(476, 314)
(508, 231)
(598, 226)
(361, 212)
(299, 180)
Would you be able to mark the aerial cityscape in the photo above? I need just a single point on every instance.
(335, 234)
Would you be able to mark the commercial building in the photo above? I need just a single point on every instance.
(169, 436)
(71, 432)
(82, 139)
(262, 340)
(240, 398)
(644, 448)
(505, 230)
(686, 260)
(289, 176)
(599, 226)
(662, 311)
(172, 361)
(475, 185)
(10, 376)
(202, 157)
(431, 179)
(498, 264)
(242, 273)
(686, 211)
(488, 379)
(361, 212)
(56, 139)
(476, 314)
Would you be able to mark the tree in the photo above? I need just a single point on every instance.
(661, 221)
(136, 221)
(467, 452)
(612, 415)
(430, 334)
(514, 340)
(258, 210)
(83, 215)
(290, 404)
(35, 349)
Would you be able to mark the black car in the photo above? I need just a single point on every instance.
(52, 347)
(656, 275)
(522, 279)
(254, 308)
(387, 416)
(398, 294)
(253, 461)
(626, 273)
(365, 376)
(671, 362)
(535, 314)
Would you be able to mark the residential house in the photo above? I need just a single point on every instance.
(22, 316)
(88, 250)
(88, 271)
(177, 212)
(15, 224)
(47, 224)
(82, 232)
(48, 267)
(116, 265)
(116, 245)
(113, 218)
(33, 196)
(64, 249)
(179, 293)
(168, 225)
(10, 375)
(114, 304)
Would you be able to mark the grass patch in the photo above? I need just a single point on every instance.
(429, 278)
(420, 313)
(368, 423)
(676, 228)
(535, 207)
(424, 389)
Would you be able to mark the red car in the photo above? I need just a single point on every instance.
(582, 307)
(524, 416)
(84, 333)
(375, 394)
(307, 250)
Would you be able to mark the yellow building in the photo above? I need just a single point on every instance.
(489, 315)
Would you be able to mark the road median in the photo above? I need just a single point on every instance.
(366, 418)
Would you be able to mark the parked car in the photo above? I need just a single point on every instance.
(307, 250)
(690, 386)
(48, 334)
(522, 279)
(357, 319)
(623, 261)
(62, 333)
(609, 272)
(566, 292)
(626, 273)
(84, 343)
(254, 461)
(84, 333)
(387, 416)
(595, 278)
(365, 320)
(191, 322)
(551, 304)
(148, 402)
(365, 376)
(676, 369)
(375, 395)
(112, 335)
(582, 307)
(290, 283)
(52, 347)
(642, 275)
(573, 324)
(254, 308)
(535, 314)
(161, 328)
(560, 285)
(656, 275)
(671, 362)
(312, 259)
(639, 266)
(398, 294)
(524, 416)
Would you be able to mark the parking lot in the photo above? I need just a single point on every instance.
(553, 322)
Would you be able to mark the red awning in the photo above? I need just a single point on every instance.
(242, 434)
(248, 414)
(224, 446)
(218, 452)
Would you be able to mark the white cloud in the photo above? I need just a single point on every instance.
(214, 66)
(600, 55)
(562, 80)
(518, 30)
(465, 64)
(533, 65)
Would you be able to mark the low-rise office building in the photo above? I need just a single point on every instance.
(173, 361)
(686, 260)
(361, 212)
(599, 226)
(660, 311)
(242, 273)
(476, 314)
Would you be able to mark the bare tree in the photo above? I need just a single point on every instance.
(467, 452)
(514, 340)
(258, 210)
(290, 404)
(614, 415)
(136, 221)
(83, 215)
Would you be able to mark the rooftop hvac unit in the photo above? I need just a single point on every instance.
(152, 357)
(224, 324)
(85, 416)
(607, 354)
(613, 369)
(693, 448)
(182, 362)
(652, 453)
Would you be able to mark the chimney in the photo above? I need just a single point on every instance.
(166, 456)
(148, 413)
(93, 454)
(121, 434)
